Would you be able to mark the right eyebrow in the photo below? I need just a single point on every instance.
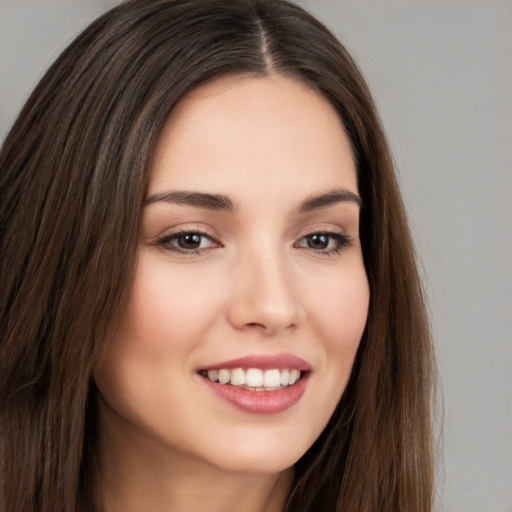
(320, 201)
(216, 202)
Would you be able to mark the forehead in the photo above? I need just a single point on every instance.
(242, 131)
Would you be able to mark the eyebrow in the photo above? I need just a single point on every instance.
(216, 202)
(220, 202)
(330, 198)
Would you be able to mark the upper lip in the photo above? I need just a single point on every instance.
(263, 361)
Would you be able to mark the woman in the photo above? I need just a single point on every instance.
(209, 294)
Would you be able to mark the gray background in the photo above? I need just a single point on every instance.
(441, 72)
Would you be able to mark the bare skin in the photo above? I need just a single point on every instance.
(249, 249)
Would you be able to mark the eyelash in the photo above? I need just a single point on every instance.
(166, 242)
(342, 241)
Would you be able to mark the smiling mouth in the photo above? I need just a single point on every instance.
(254, 379)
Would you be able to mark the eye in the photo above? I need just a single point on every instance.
(324, 242)
(187, 242)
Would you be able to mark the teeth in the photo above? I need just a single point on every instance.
(272, 379)
(237, 377)
(294, 377)
(224, 376)
(255, 378)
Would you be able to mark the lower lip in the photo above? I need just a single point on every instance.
(260, 402)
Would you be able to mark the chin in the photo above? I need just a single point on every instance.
(264, 457)
(258, 464)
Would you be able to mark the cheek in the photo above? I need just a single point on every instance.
(341, 314)
(168, 311)
(165, 320)
(342, 311)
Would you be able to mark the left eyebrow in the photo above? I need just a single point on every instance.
(320, 201)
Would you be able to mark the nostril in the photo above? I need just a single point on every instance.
(269, 327)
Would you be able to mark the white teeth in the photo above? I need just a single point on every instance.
(294, 376)
(261, 380)
(237, 377)
(224, 376)
(272, 379)
(254, 378)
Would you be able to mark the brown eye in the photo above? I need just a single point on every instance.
(318, 241)
(189, 241)
(324, 242)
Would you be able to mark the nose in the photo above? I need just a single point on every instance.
(265, 296)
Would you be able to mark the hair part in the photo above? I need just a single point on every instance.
(74, 176)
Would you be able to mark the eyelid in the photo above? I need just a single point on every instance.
(187, 227)
(327, 228)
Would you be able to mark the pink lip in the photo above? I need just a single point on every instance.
(260, 402)
(263, 361)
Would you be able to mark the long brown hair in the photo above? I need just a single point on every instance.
(74, 170)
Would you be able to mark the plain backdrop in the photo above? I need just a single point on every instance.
(441, 73)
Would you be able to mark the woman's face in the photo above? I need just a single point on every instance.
(249, 270)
